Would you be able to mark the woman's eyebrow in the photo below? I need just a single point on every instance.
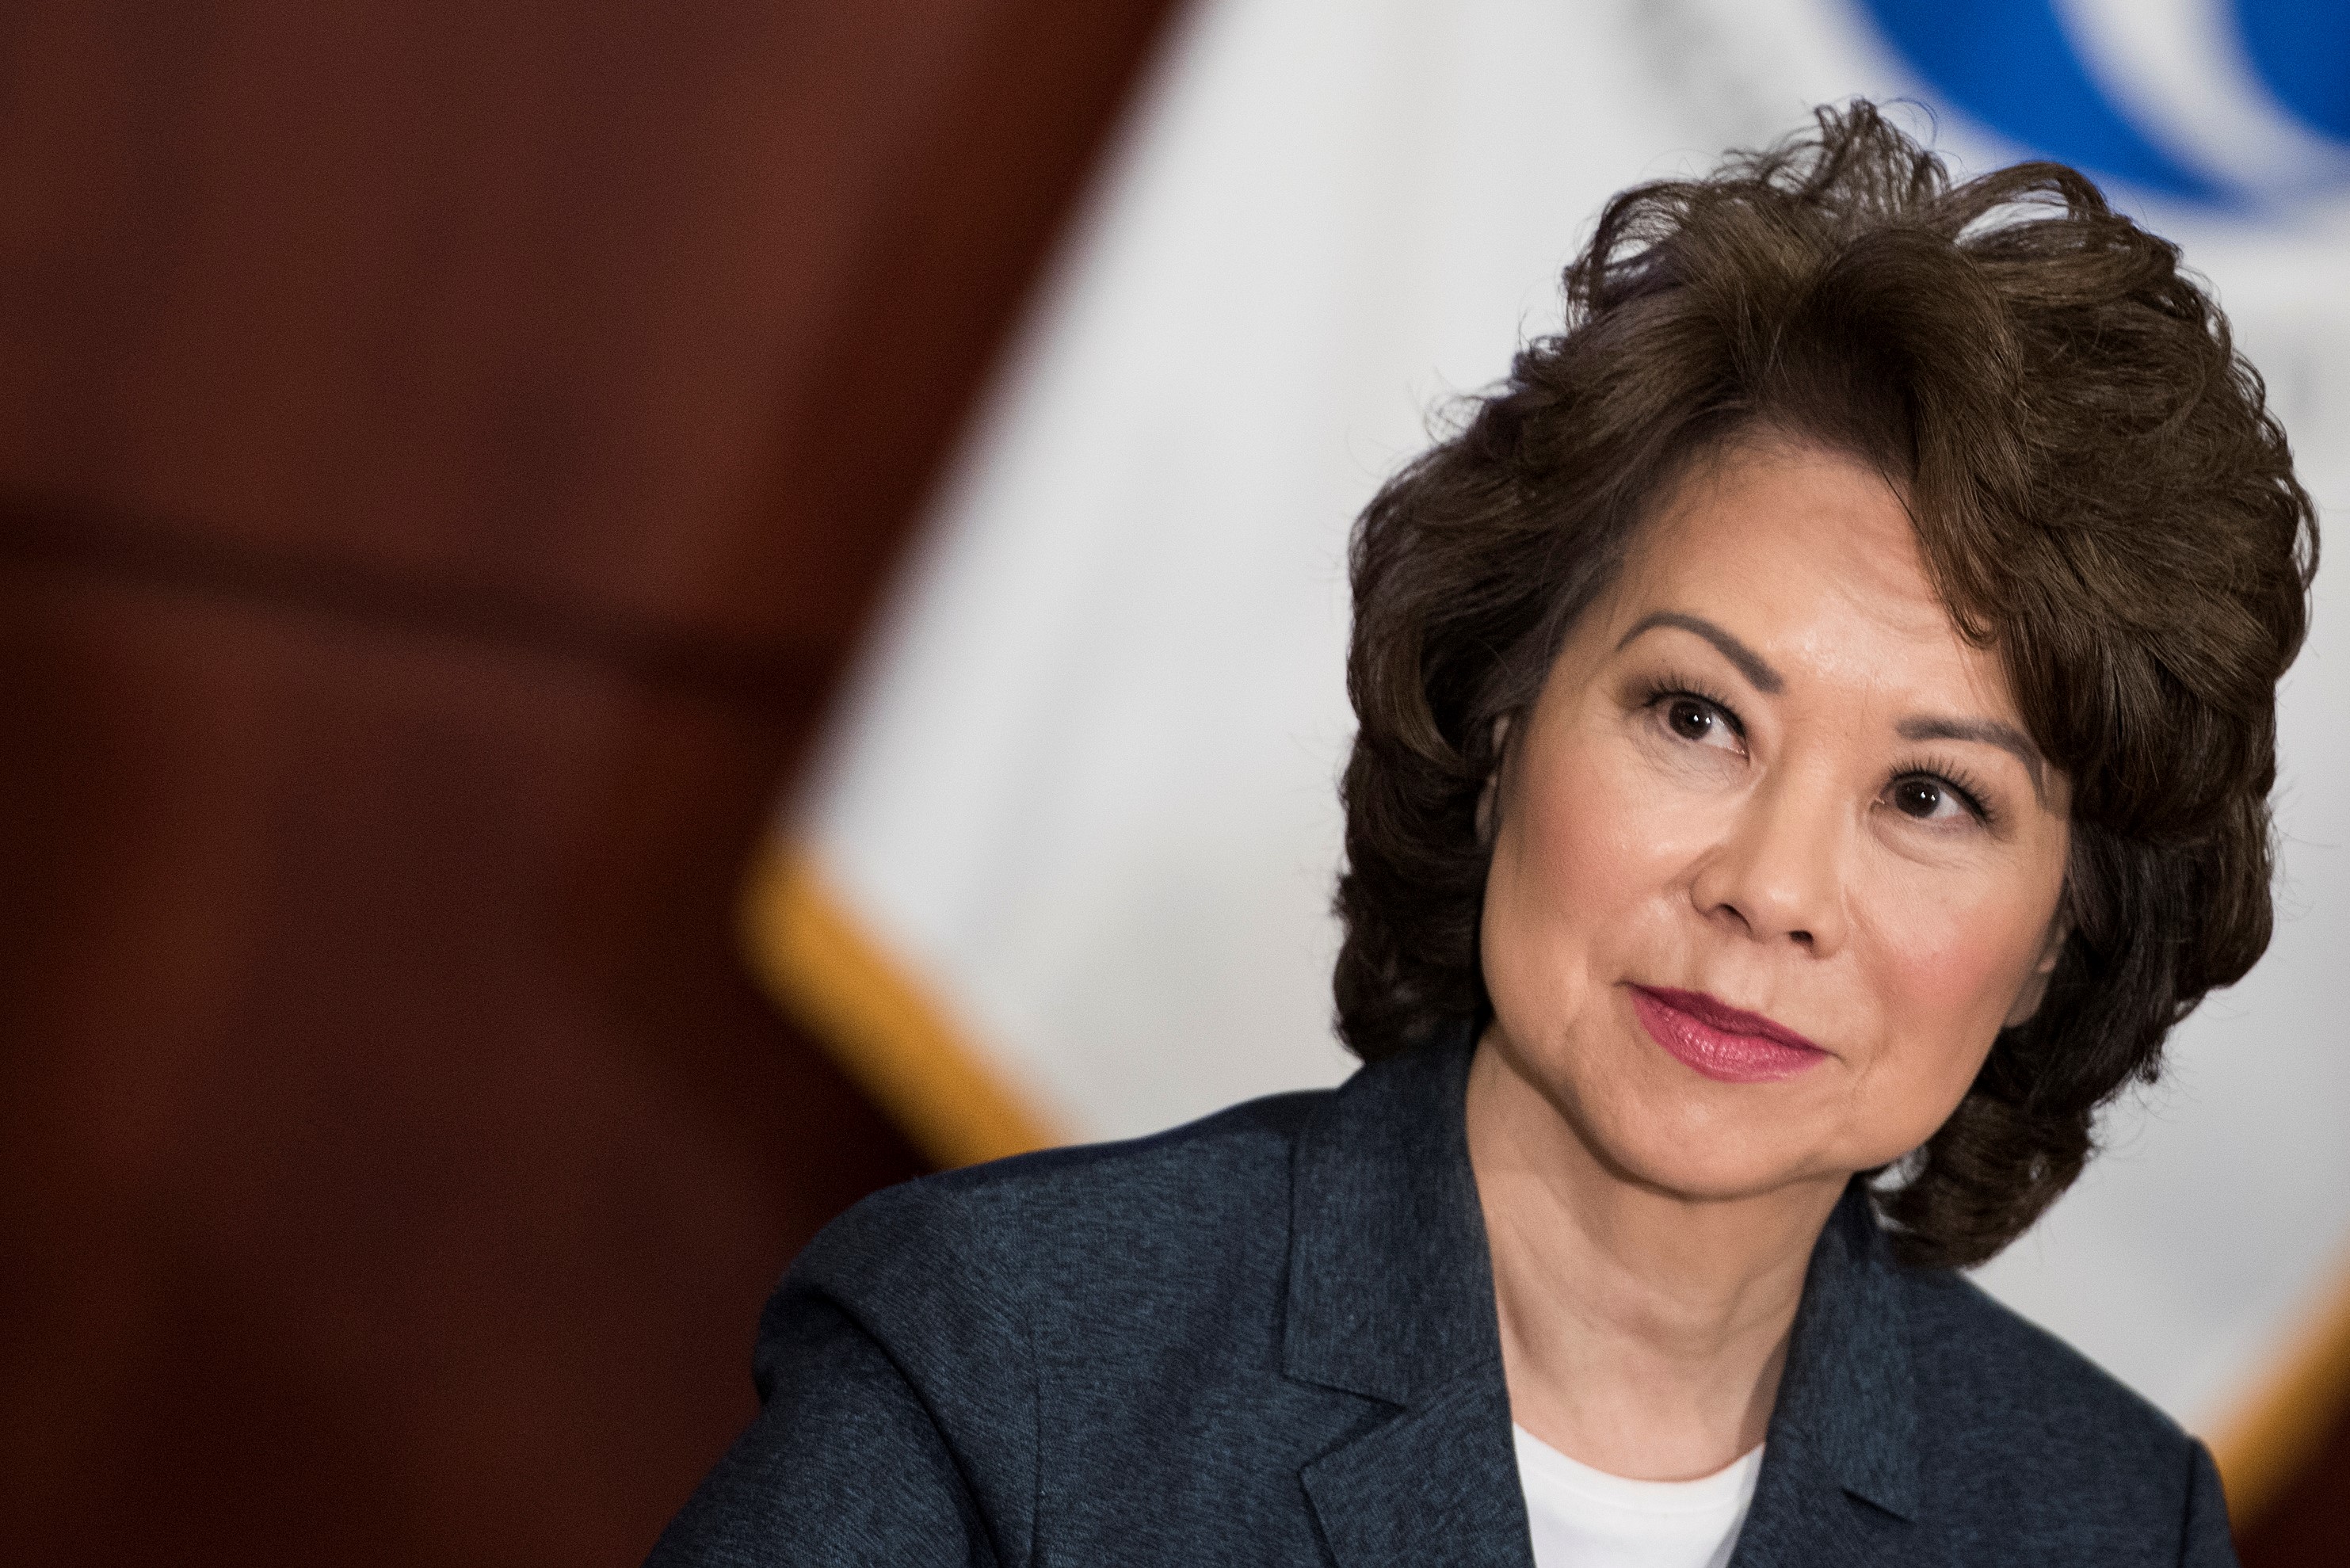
(1751, 664)
(1989, 731)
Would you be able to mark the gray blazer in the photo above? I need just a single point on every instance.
(1270, 1337)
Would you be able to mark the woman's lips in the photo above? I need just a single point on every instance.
(1720, 1041)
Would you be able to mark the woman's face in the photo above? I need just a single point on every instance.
(1773, 860)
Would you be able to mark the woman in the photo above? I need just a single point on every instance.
(1816, 720)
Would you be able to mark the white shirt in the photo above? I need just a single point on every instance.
(1583, 1518)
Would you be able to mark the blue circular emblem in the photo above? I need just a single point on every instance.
(2013, 66)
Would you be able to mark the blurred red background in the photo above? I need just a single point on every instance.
(446, 454)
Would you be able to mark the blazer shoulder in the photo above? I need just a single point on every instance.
(1245, 1145)
(1979, 1348)
(2033, 1443)
(998, 1231)
(922, 1329)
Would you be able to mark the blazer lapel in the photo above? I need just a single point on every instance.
(1840, 1464)
(1391, 1299)
(1435, 1484)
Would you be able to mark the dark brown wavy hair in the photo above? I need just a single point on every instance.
(2099, 493)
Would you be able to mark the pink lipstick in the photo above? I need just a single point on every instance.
(1722, 1042)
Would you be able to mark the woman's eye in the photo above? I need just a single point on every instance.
(1692, 720)
(1927, 799)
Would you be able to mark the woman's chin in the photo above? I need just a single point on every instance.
(1712, 1157)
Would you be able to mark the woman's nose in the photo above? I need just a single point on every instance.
(1778, 872)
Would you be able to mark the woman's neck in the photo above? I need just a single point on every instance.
(1643, 1331)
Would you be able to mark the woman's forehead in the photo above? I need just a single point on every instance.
(1789, 532)
(1808, 559)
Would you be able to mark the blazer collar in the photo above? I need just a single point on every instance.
(1840, 1462)
(1391, 1287)
(1391, 1298)
(1847, 1397)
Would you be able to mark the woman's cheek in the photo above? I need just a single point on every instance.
(1958, 963)
(1578, 892)
(1540, 893)
(1531, 937)
(1595, 841)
